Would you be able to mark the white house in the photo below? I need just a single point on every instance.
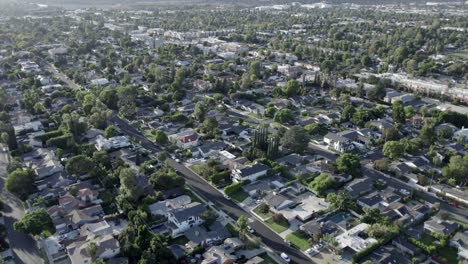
(352, 239)
(338, 142)
(30, 126)
(252, 172)
(182, 219)
(461, 134)
(103, 143)
(460, 241)
(107, 248)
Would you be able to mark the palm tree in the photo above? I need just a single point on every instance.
(241, 225)
(91, 249)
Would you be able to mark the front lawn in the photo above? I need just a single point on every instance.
(277, 227)
(232, 230)
(268, 259)
(262, 215)
(300, 239)
(447, 254)
(239, 196)
(181, 240)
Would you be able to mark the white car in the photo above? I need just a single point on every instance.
(285, 257)
(250, 229)
(312, 251)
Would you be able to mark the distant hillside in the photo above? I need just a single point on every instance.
(123, 3)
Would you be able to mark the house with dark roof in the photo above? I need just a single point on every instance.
(460, 242)
(251, 172)
(439, 226)
(370, 201)
(278, 201)
(209, 149)
(291, 160)
(181, 219)
(359, 187)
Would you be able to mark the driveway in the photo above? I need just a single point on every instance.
(24, 246)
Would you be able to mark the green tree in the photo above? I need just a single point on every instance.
(284, 116)
(427, 134)
(111, 131)
(92, 249)
(322, 183)
(241, 225)
(199, 112)
(349, 163)
(209, 217)
(129, 189)
(398, 112)
(296, 139)
(390, 134)
(340, 200)
(457, 169)
(79, 165)
(393, 150)
(21, 183)
(291, 88)
(160, 137)
(165, 180)
(35, 222)
(126, 103)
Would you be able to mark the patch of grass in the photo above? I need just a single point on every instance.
(232, 230)
(182, 240)
(447, 255)
(277, 227)
(427, 239)
(268, 259)
(193, 196)
(300, 239)
(239, 196)
(262, 215)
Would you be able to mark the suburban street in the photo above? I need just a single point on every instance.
(461, 212)
(24, 246)
(207, 191)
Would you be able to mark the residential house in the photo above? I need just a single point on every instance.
(181, 219)
(460, 135)
(107, 248)
(405, 246)
(117, 142)
(87, 195)
(352, 238)
(43, 162)
(460, 242)
(207, 150)
(251, 172)
(219, 255)
(164, 207)
(338, 142)
(278, 201)
(32, 126)
(202, 85)
(439, 226)
(359, 187)
(185, 139)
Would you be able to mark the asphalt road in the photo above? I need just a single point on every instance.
(24, 246)
(270, 238)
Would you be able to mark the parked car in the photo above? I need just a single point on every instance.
(311, 252)
(250, 229)
(285, 257)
